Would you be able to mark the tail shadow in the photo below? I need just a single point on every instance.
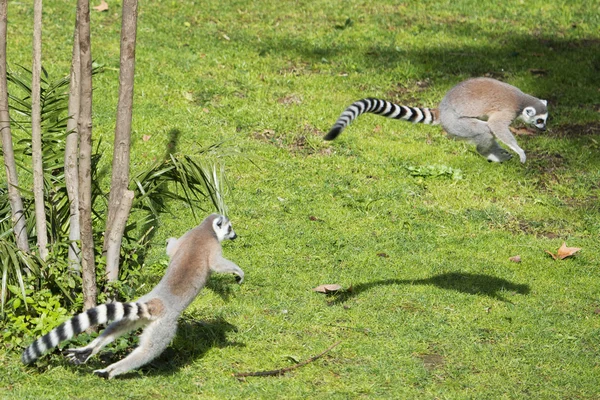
(477, 284)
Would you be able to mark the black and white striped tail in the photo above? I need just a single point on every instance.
(79, 323)
(383, 108)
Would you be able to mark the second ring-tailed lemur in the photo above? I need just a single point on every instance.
(479, 110)
(193, 257)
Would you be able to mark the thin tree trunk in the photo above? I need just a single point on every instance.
(36, 133)
(85, 158)
(116, 235)
(71, 149)
(121, 155)
(16, 203)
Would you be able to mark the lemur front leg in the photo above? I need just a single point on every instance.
(499, 124)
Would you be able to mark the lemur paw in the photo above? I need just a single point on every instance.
(102, 373)
(77, 356)
(499, 156)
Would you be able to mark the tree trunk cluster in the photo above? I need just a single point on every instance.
(78, 148)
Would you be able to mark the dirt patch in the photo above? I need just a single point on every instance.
(432, 361)
(290, 99)
(532, 228)
(575, 130)
(297, 142)
(407, 95)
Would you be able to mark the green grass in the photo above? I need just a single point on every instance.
(437, 309)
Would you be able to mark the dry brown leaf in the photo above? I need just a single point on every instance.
(523, 131)
(145, 138)
(102, 7)
(564, 252)
(516, 259)
(328, 288)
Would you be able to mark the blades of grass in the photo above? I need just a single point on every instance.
(4, 279)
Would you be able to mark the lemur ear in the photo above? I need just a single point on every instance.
(544, 102)
(529, 111)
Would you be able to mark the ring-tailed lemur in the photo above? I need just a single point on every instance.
(193, 257)
(479, 110)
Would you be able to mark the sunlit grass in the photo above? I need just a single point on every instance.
(437, 309)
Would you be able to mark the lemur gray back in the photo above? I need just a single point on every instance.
(482, 96)
(187, 272)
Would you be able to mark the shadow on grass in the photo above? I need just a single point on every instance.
(174, 135)
(493, 55)
(477, 284)
(193, 340)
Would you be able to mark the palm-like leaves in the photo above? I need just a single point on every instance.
(175, 179)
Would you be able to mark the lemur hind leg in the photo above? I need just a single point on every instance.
(154, 340)
(113, 331)
(479, 133)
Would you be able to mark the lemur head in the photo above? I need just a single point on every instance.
(222, 228)
(536, 116)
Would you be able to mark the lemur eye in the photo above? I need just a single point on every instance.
(539, 121)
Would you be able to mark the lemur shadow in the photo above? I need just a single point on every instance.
(477, 284)
(192, 341)
(222, 285)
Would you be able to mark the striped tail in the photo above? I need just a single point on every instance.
(385, 109)
(79, 323)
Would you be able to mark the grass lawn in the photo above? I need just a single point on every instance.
(420, 228)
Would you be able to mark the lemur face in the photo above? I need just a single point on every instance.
(223, 229)
(531, 116)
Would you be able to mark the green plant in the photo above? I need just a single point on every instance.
(178, 178)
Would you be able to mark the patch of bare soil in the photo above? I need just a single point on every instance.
(575, 130)
(297, 142)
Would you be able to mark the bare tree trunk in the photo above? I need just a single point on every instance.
(16, 203)
(116, 235)
(36, 133)
(71, 156)
(121, 155)
(85, 157)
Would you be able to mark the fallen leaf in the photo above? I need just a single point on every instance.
(328, 288)
(102, 7)
(564, 252)
(145, 138)
(516, 259)
(524, 131)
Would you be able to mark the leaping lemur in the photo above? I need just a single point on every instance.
(479, 110)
